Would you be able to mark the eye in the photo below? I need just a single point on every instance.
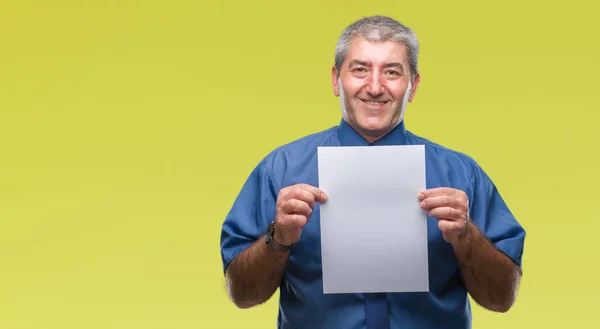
(360, 72)
(392, 72)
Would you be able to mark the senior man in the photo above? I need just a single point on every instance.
(271, 236)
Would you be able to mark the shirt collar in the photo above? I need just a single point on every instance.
(349, 137)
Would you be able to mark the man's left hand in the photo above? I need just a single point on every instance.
(451, 208)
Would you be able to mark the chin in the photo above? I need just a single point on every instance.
(373, 131)
(375, 125)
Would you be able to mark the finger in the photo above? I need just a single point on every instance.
(436, 191)
(292, 220)
(450, 226)
(443, 201)
(447, 213)
(295, 206)
(302, 195)
(319, 194)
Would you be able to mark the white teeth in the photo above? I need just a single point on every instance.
(375, 103)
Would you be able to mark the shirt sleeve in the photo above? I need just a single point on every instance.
(493, 217)
(250, 214)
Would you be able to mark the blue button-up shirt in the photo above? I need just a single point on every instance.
(302, 302)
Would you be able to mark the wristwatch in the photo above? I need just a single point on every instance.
(271, 242)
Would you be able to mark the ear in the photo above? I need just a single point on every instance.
(415, 85)
(334, 82)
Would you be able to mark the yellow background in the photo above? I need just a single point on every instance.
(128, 127)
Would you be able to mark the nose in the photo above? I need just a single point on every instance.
(374, 86)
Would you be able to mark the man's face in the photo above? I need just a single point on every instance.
(374, 86)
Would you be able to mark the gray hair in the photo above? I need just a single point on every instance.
(378, 28)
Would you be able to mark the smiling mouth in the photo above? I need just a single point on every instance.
(374, 103)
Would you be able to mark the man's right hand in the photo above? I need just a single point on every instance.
(294, 206)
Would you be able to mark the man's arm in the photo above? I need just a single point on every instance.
(491, 277)
(254, 275)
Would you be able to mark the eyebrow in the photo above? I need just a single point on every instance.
(357, 62)
(363, 63)
(394, 65)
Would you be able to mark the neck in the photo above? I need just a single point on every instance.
(371, 137)
(349, 135)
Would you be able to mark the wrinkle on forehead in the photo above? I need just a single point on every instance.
(382, 53)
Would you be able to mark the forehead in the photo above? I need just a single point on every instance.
(376, 52)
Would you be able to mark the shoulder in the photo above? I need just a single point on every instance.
(440, 151)
(299, 149)
(444, 158)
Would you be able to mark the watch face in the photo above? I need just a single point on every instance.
(270, 230)
(272, 243)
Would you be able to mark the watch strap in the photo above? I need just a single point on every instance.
(270, 241)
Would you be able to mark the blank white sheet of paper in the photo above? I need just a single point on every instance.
(373, 230)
